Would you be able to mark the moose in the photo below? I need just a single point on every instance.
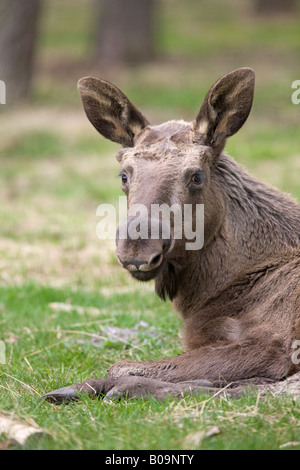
(239, 294)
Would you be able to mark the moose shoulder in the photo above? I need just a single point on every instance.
(239, 294)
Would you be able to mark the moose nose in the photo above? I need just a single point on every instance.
(133, 265)
(143, 255)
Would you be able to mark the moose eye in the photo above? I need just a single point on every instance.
(198, 177)
(124, 178)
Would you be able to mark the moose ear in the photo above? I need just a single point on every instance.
(110, 111)
(226, 107)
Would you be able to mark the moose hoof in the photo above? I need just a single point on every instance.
(61, 395)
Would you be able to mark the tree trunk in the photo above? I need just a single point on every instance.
(274, 6)
(124, 30)
(18, 30)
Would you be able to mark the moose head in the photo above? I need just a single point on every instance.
(168, 166)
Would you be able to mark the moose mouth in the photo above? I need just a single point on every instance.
(144, 265)
(145, 276)
(143, 259)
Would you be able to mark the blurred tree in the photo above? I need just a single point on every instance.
(274, 6)
(18, 30)
(124, 30)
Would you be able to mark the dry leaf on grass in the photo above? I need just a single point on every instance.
(193, 440)
(18, 432)
(12, 338)
(289, 444)
(66, 307)
(127, 335)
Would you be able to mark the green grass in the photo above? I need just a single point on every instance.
(46, 349)
(34, 144)
(56, 170)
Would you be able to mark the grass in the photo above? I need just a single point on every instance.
(55, 171)
(46, 348)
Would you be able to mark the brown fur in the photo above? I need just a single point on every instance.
(239, 296)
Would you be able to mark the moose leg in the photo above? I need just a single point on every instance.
(230, 362)
(130, 386)
(206, 368)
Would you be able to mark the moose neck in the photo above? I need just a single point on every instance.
(260, 224)
(261, 221)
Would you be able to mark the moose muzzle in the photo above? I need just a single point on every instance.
(141, 246)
